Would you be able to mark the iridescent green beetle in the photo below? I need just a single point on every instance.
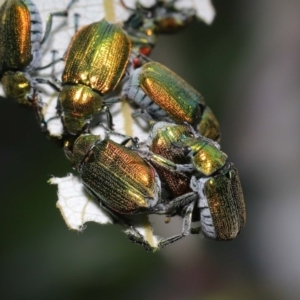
(95, 63)
(124, 183)
(220, 205)
(20, 42)
(163, 95)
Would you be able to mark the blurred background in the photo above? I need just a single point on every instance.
(247, 66)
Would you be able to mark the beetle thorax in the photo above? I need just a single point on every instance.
(79, 104)
(16, 85)
(81, 147)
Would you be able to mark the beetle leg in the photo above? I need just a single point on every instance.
(109, 118)
(140, 38)
(150, 156)
(133, 234)
(126, 138)
(112, 100)
(186, 227)
(76, 21)
(143, 40)
(52, 64)
(139, 239)
(187, 168)
(50, 18)
(49, 82)
(54, 60)
(134, 141)
(34, 99)
(165, 163)
(126, 7)
(56, 81)
(106, 109)
(180, 168)
(173, 205)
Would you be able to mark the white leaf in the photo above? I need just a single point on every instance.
(75, 205)
(78, 207)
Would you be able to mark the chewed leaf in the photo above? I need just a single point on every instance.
(75, 205)
(78, 207)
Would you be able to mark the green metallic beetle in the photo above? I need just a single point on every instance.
(163, 95)
(220, 205)
(20, 42)
(124, 183)
(145, 23)
(96, 60)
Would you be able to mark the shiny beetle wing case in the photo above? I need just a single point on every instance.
(97, 57)
(171, 93)
(120, 178)
(15, 42)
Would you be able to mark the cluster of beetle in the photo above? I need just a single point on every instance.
(180, 169)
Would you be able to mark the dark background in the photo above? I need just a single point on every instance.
(247, 67)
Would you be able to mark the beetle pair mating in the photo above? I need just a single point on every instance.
(179, 173)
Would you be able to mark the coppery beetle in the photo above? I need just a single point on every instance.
(162, 95)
